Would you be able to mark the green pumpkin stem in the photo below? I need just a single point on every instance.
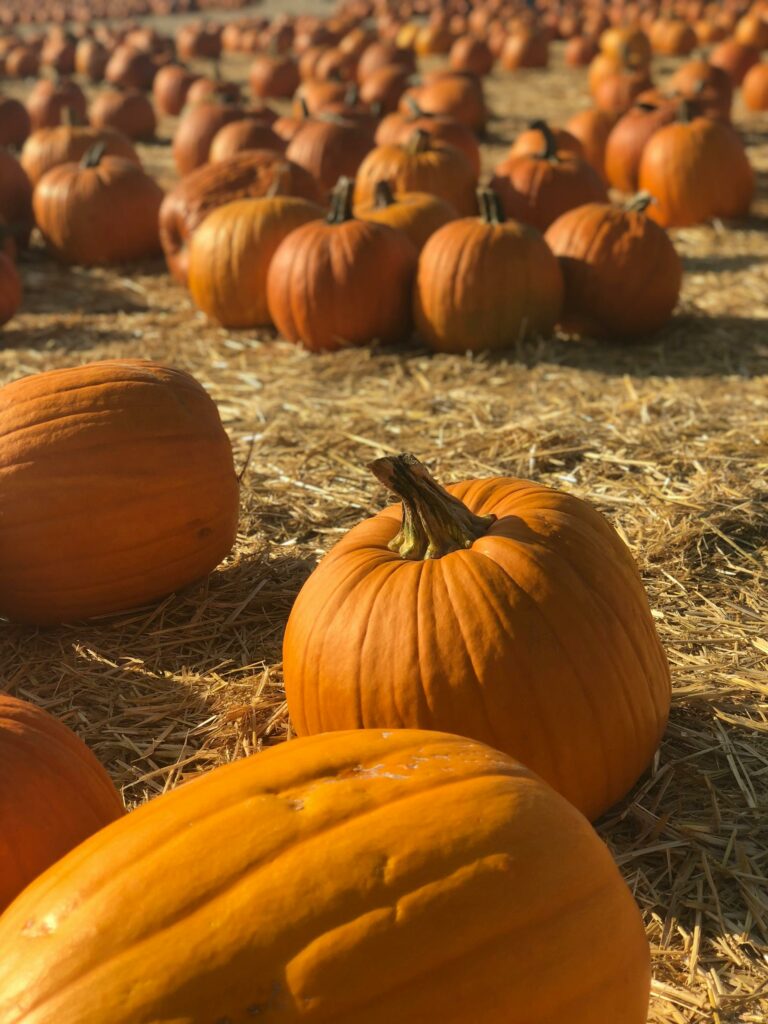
(550, 144)
(639, 203)
(341, 202)
(489, 204)
(93, 156)
(383, 195)
(434, 521)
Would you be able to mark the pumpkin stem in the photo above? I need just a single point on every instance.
(550, 145)
(491, 210)
(304, 106)
(418, 141)
(341, 202)
(434, 521)
(686, 111)
(93, 156)
(383, 195)
(351, 96)
(639, 203)
(414, 109)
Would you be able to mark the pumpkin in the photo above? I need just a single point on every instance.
(313, 96)
(628, 43)
(696, 169)
(754, 88)
(580, 51)
(55, 794)
(417, 214)
(672, 37)
(273, 76)
(170, 87)
(592, 128)
(422, 908)
(525, 48)
(328, 147)
(735, 59)
(537, 188)
(238, 136)
(230, 253)
(15, 197)
(530, 142)
(49, 102)
(10, 292)
(91, 59)
(118, 488)
(380, 54)
(469, 53)
(342, 281)
(752, 30)
(127, 111)
(103, 210)
(49, 147)
(621, 271)
(484, 283)
(334, 65)
(616, 93)
(213, 90)
(130, 68)
(22, 62)
(397, 128)
(384, 87)
(450, 94)
(15, 124)
(708, 87)
(419, 166)
(196, 131)
(627, 140)
(250, 174)
(498, 608)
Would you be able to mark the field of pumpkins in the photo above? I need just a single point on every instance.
(384, 512)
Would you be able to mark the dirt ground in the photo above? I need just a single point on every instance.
(669, 439)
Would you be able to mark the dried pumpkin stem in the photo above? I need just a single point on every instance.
(93, 156)
(414, 110)
(383, 195)
(341, 202)
(489, 204)
(550, 144)
(434, 521)
(418, 141)
(639, 203)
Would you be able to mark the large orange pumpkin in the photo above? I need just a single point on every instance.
(54, 794)
(359, 877)
(417, 214)
(498, 609)
(342, 281)
(621, 271)
(66, 144)
(116, 488)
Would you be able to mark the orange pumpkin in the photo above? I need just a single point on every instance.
(54, 102)
(124, 110)
(592, 128)
(55, 794)
(754, 88)
(628, 138)
(231, 251)
(15, 197)
(450, 94)
(472, 54)
(708, 87)
(116, 488)
(15, 124)
(10, 282)
(66, 144)
(170, 88)
(329, 147)
(432, 862)
(696, 169)
(525, 48)
(419, 166)
(484, 283)
(621, 271)
(417, 214)
(735, 59)
(196, 131)
(100, 211)
(273, 76)
(397, 128)
(342, 281)
(537, 188)
(530, 142)
(497, 608)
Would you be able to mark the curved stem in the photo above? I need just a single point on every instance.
(341, 202)
(383, 195)
(491, 210)
(434, 521)
(639, 203)
(550, 145)
(686, 111)
(93, 156)
(418, 141)
(414, 109)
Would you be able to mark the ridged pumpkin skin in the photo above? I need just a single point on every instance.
(624, 148)
(537, 639)
(621, 271)
(696, 171)
(68, 144)
(249, 175)
(342, 282)
(417, 214)
(230, 255)
(54, 794)
(353, 877)
(485, 285)
(98, 215)
(117, 487)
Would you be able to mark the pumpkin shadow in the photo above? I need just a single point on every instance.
(166, 691)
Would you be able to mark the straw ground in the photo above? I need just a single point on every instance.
(669, 439)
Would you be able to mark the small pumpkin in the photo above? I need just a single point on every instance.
(439, 859)
(231, 251)
(342, 281)
(485, 283)
(15, 124)
(246, 134)
(65, 144)
(450, 94)
(15, 198)
(621, 272)
(708, 87)
(127, 111)
(91, 59)
(592, 128)
(117, 487)
(735, 59)
(103, 210)
(417, 214)
(55, 794)
(251, 174)
(525, 48)
(628, 138)
(10, 287)
(530, 141)
(498, 608)
(419, 166)
(51, 102)
(384, 87)
(696, 169)
(196, 131)
(472, 54)
(537, 188)
(754, 88)
(170, 88)
(273, 76)
(397, 128)
(328, 148)
(130, 68)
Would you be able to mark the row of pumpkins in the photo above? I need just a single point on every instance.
(474, 674)
(80, 13)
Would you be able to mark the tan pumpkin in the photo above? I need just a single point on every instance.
(431, 861)
(231, 251)
(116, 488)
(55, 794)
